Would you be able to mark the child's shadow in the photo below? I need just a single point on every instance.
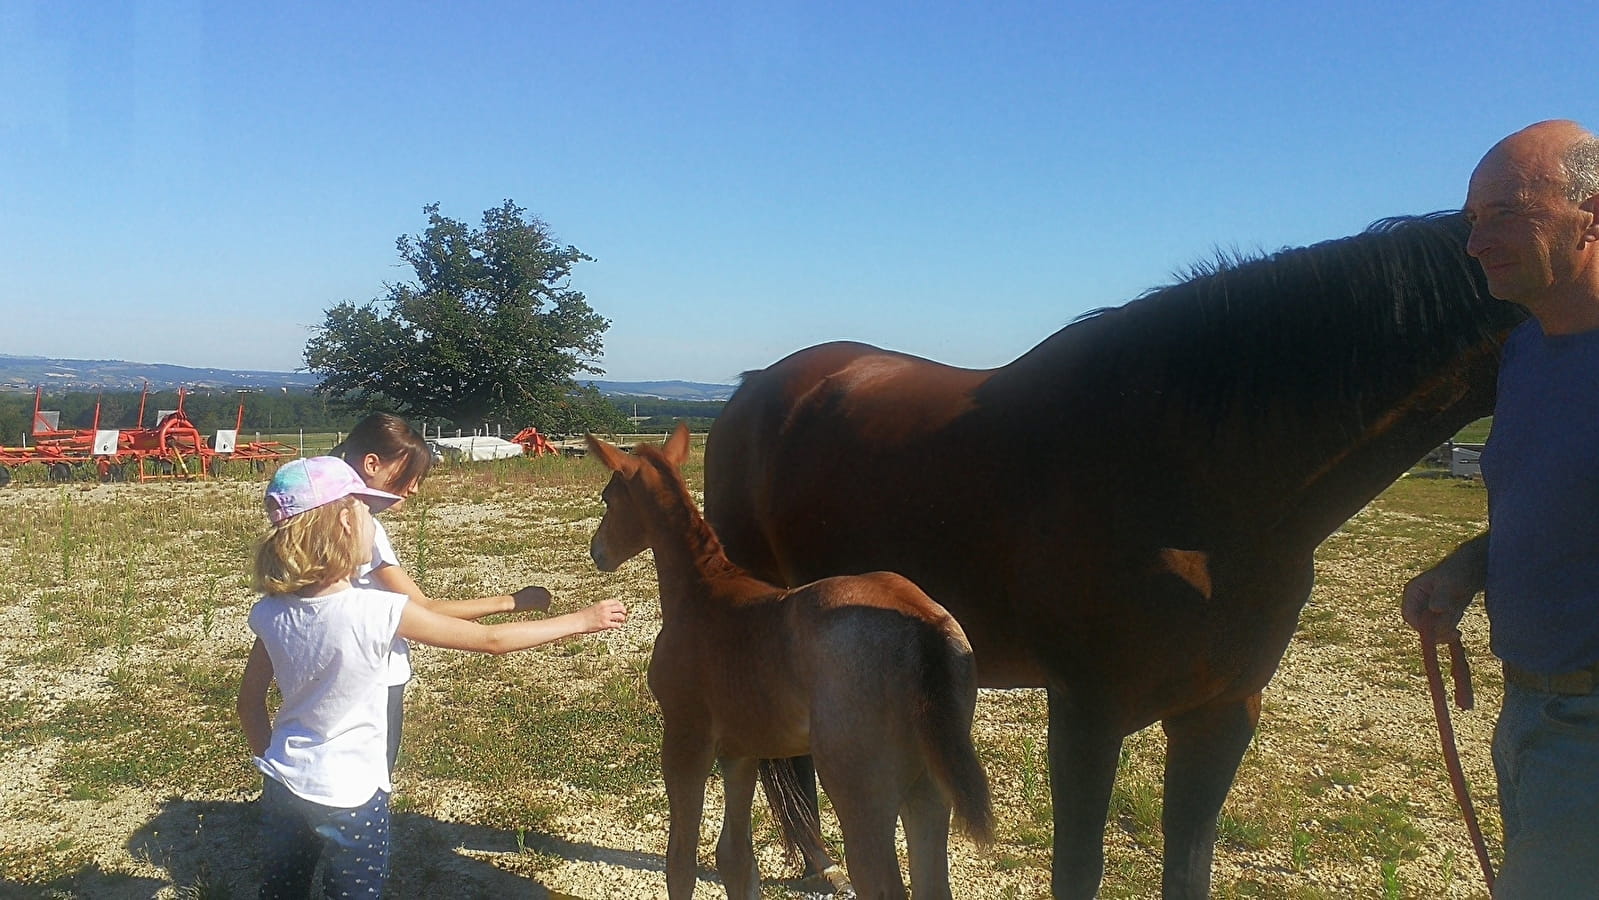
(211, 846)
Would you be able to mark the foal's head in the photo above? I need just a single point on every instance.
(636, 491)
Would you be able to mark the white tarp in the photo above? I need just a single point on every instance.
(1465, 462)
(476, 448)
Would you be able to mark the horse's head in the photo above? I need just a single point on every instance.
(638, 489)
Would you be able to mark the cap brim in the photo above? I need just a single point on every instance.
(377, 500)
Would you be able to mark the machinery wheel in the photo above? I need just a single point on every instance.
(60, 471)
(5, 476)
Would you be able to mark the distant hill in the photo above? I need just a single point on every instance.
(665, 390)
(23, 373)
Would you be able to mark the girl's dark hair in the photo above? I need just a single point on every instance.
(391, 438)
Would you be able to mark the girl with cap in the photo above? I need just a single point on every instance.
(328, 642)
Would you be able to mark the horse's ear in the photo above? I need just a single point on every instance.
(676, 448)
(614, 459)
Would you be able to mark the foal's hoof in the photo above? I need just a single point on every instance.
(829, 884)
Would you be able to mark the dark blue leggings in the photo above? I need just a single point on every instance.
(396, 722)
(295, 833)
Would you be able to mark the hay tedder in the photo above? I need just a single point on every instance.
(533, 443)
(171, 449)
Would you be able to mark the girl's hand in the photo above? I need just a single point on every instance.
(603, 616)
(530, 599)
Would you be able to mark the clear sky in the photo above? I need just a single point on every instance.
(197, 182)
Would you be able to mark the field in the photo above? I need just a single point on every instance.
(123, 774)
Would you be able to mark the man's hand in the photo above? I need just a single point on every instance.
(1436, 600)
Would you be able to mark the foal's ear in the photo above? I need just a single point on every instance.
(676, 448)
(614, 459)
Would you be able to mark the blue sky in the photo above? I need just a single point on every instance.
(196, 183)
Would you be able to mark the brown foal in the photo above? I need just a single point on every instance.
(865, 673)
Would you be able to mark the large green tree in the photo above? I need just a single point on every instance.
(491, 330)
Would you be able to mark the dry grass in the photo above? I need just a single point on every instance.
(122, 773)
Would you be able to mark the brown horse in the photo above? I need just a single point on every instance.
(865, 673)
(1126, 514)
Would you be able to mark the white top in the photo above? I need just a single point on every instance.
(383, 555)
(330, 656)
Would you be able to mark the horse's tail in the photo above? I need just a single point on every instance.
(949, 686)
(793, 808)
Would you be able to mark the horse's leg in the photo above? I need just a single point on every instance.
(1203, 749)
(926, 818)
(865, 796)
(1083, 752)
(685, 764)
(735, 850)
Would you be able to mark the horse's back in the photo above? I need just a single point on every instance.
(798, 431)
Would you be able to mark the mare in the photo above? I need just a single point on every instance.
(1126, 514)
(865, 673)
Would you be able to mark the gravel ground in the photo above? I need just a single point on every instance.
(1333, 708)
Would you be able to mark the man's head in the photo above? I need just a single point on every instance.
(1533, 204)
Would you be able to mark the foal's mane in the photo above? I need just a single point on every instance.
(684, 514)
(1343, 322)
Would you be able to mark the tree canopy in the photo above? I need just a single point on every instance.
(490, 330)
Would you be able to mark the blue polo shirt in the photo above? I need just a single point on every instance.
(1541, 467)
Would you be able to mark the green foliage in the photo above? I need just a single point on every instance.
(490, 330)
(14, 415)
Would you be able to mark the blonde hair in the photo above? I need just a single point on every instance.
(308, 549)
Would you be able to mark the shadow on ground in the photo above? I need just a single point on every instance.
(207, 849)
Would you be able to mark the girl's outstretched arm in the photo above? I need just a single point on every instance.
(252, 705)
(418, 623)
(396, 579)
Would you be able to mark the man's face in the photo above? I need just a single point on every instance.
(1524, 232)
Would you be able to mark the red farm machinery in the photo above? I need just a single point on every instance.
(533, 443)
(171, 449)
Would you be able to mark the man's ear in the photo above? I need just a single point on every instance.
(1591, 207)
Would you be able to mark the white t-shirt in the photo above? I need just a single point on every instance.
(383, 555)
(330, 656)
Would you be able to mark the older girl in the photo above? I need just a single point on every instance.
(390, 456)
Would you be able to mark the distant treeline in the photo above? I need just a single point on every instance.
(208, 409)
(655, 416)
(277, 411)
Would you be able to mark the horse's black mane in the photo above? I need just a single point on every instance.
(1339, 321)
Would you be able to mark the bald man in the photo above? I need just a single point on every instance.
(1533, 205)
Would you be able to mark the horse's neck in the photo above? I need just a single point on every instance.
(1318, 479)
(1280, 465)
(689, 558)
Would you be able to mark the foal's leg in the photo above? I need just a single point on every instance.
(735, 852)
(865, 789)
(685, 764)
(1083, 752)
(1203, 749)
(926, 818)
